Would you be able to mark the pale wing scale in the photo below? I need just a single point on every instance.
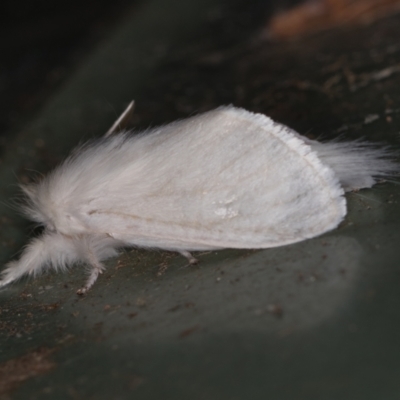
(228, 178)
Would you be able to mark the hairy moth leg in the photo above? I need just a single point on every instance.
(189, 257)
(97, 268)
(51, 250)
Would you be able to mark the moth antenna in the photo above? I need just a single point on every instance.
(358, 194)
(121, 123)
(391, 181)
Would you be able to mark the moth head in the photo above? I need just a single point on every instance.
(39, 206)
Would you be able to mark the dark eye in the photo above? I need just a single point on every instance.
(38, 230)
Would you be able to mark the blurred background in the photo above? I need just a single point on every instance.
(40, 42)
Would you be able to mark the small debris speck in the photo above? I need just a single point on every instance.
(371, 118)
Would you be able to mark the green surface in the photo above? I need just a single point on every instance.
(315, 320)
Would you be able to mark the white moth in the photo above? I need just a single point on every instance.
(227, 178)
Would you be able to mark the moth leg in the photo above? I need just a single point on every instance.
(48, 251)
(97, 269)
(94, 274)
(190, 258)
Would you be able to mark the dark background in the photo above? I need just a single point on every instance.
(40, 41)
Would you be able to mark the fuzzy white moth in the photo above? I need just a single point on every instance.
(227, 178)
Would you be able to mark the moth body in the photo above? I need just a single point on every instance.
(224, 179)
